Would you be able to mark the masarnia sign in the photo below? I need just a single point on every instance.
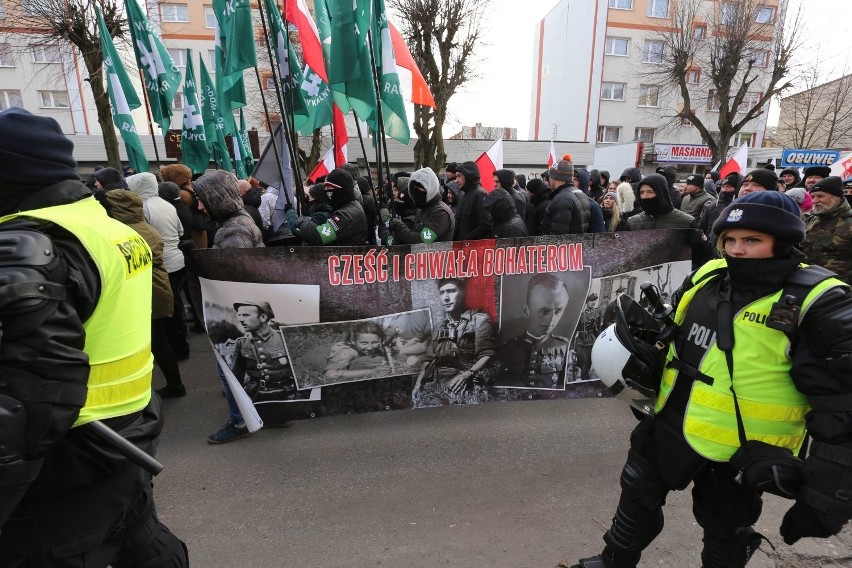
(683, 153)
(317, 331)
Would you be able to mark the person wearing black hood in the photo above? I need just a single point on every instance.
(659, 213)
(539, 194)
(505, 221)
(596, 219)
(506, 180)
(568, 212)
(596, 190)
(76, 348)
(472, 221)
(347, 224)
(434, 221)
(727, 191)
(790, 177)
(451, 194)
(605, 179)
(632, 176)
(670, 173)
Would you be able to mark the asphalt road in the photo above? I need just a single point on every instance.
(506, 485)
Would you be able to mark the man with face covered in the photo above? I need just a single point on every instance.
(536, 358)
(347, 224)
(434, 221)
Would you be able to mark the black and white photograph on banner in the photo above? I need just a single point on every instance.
(359, 350)
(599, 311)
(538, 314)
(244, 323)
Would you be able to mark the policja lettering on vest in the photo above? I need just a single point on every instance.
(136, 254)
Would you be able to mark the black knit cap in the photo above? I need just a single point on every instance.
(764, 178)
(832, 185)
(769, 212)
(33, 150)
(733, 179)
(339, 179)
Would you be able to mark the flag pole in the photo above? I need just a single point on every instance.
(294, 158)
(379, 114)
(364, 150)
(291, 118)
(272, 133)
(148, 113)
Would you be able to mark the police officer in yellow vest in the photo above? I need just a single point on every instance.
(762, 357)
(75, 309)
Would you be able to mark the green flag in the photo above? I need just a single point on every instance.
(162, 78)
(393, 106)
(248, 158)
(232, 88)
(349, 70)
(123, 99)
(236, 31)
(214, 124)
(193, 139)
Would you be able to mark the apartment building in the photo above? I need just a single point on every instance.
(594, 78)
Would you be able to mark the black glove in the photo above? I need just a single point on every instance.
(288, 207)
(803, 521)
(393, 224)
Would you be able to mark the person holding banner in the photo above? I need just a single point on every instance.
(760, 358)
(347, 224)
(434, 221)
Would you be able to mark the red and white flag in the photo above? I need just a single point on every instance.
(737, 163)
(296, 11)
(420, 93)
(341, 138)
(551, 158)
(324, 167)
(489, 162)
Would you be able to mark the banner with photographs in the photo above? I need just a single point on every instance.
(312, 331)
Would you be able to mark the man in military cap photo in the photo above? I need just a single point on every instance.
(536, 358)
(260, 358)
(588, 329)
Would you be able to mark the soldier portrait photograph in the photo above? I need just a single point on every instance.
(534, 347)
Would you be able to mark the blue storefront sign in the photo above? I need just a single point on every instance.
(793, 158)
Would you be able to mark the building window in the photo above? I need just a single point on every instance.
(645, 135)
(54, 99)
(609, 134)
(32, 7)
(2, 10)
(728, 13)
(209, 17)
(741, 138)
(46, 54)
(177, 102)
(652, 51)
(621, 4)
(6, 59)
(658, 8)
(612, 91)
(750, 100)
(175, 12)
(269, 83)
(649, 96)
(713, 100)
(617, 46)
(765, 15)
(699, 32)
(759, 57)
(693, 76)
(178, 56)
(10, 99)
(211, 60)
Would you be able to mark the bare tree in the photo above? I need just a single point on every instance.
(723, 61)
(820, 116)
(443, 36)
(59, 22)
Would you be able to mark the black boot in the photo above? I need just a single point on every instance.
(729, 552)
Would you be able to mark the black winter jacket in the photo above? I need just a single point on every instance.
(505, 221)
(566, 214)
(472, 221)
(540, 202)
(346, 225)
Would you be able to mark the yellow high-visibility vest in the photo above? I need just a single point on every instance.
(772, 409)
(118, 333)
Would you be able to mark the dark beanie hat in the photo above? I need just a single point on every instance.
(168, 190)
(822, 171)
(339, 179)
(831, 184)
(451, 167)
(506, 177)
(110, 178)
(733, 179)
(562, 170)
(33, 150)
(769, 212)
(764, 178)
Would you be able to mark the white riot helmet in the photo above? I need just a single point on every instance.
(626, 359)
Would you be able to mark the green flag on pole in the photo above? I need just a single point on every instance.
(232, 88)
(239, 153)
(248, 158)
(237, 32)
(214, 124)
(123, 99)
(349, 69)
(393, 105)
(162, 77)
(193, 139)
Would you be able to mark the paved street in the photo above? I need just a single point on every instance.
(524, 484)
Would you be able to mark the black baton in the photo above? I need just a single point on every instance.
(125, 447)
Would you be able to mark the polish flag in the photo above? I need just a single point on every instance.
(324, 167)
(296, 11)
(420, 93)
(551, 158)
(737, 163)
(341, 138)
(490, 162)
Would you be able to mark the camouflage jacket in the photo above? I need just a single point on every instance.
(829, 240)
